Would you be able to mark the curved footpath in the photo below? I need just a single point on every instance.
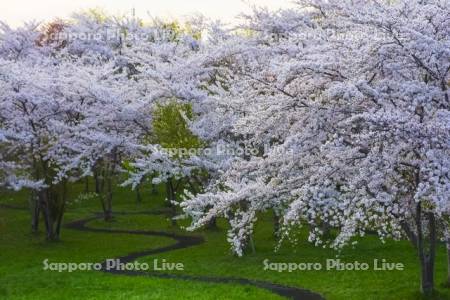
(181, 243)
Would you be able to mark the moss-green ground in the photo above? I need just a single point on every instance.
(22, 254)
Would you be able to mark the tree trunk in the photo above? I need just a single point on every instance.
(97, 183)
(326, 229)
(427, 275)
(99, 190)
(138, 194)
(50, 235)
(276, 225)
(35, 212)
(86, 185)
(154, 190)
(44, 204)
(52, 203)
(427, 255)
(212, 224)
(35, 221)
(249, 244)
(171, 197)
(252, 244)
(103, 180)
(61, 210)
(108, 204)
(448, 259)
(58, 224)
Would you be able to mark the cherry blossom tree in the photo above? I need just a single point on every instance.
(349, 101)
(34, 115)
(334, 114)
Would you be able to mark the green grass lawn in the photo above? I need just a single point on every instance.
(22, 254)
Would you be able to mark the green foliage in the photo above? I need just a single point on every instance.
(190, 30)
(171, 128)
(177, 30)
(97, 14)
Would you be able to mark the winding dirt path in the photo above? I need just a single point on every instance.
(181, 242)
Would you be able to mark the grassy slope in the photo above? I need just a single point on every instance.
(22, 255)
(22, 277)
